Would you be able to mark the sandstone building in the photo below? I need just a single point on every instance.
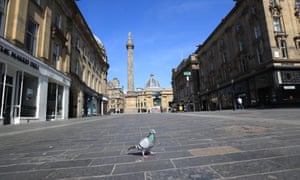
(46, 48)
(116, 96)
(185, 83)
(153, 98)
(254, 53)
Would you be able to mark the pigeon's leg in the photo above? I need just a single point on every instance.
(152, 152)
(144, 156)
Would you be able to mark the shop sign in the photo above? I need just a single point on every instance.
(19, 57)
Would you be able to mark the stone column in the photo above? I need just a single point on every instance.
(130, 75)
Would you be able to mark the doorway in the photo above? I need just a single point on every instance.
(7, 98)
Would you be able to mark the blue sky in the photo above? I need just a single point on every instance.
(163, 31)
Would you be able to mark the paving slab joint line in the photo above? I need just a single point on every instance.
(113, 169)
(173, 163)
(213, 170)
(263, 173)
(233, 162)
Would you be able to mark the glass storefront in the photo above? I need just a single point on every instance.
(54, 101)
(6, 87)
(29, 95)
(24, 101)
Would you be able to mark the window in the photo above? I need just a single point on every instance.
(83, 73)
(38, 2)
(31, 37)
(76, 67)
(272, 3)
(241, 46)
(243, 65)
(257, 32)
(78, 44)
(259, 55)
(88, 78)
(29, 96)
(54, 101)
(55, 54)
(57, 21)
(276, 23)
(238, 27)
(2, 15)
(224, 56)
(283, 49)
(297, 4)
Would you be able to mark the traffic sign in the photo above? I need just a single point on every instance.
(187, 73)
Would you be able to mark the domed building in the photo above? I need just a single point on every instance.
(153, 98)
(152, 83)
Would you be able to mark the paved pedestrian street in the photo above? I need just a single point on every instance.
(241, 144)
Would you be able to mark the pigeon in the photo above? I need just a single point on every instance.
(145, 144)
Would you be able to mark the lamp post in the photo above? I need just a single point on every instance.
(233, 95)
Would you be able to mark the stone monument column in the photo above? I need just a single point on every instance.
(130, 76)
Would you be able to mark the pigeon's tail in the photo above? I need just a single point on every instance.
(132, 147)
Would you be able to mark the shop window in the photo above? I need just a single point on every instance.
(54, 101)
(31, 37)
(2, 15)
(29, 96)
(2, 74)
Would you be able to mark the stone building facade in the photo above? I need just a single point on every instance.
(253, 54)
(38, 60)
(185, 84)
(153, 98)
(116, 96)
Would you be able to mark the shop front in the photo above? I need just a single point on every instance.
(30, 90)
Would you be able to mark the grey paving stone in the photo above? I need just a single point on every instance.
(282, 175)
(261, 145)
(198, 161)
(115, 160)
(247, 167)
(133, 176)
(80, 172)
(240, 156)
(290, 162)
(28, 175)
(97, 148)
(65, 164)
(170, 155)
(199, 173)
(292, 150)
(19, 167)
(143, 166)
(98, 154)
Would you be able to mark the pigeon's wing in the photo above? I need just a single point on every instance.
(145, 143)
